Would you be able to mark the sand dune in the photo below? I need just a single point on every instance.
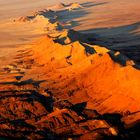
(67, 84)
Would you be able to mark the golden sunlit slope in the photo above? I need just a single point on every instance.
(95, 70)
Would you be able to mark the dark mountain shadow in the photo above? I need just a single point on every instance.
(123, 38)
(135, 131)
(92, 4)
(114, 119)
(65, 15)
(79, 107)
(36, 84)
(47, 102)
(124, 132)
(88, 49)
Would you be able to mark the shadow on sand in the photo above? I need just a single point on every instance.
(125, 39)
(92, 4)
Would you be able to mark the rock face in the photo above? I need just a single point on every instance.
(30, 115)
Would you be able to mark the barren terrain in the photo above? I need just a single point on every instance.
(70, 70)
